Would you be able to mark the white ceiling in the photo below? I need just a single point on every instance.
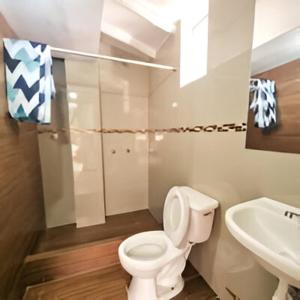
(274, 53)
(142, 26)
(131, 28)
(70, 24)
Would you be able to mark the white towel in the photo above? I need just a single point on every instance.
(263, 102)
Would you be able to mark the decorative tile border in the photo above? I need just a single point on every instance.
(232, 127)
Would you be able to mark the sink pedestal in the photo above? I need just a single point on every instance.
(281, 292)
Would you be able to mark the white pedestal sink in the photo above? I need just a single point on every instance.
(271, 231)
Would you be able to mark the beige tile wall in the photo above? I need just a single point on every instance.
(217, 163)
(124, 100)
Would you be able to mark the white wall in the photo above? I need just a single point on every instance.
(124, 101)
(273, 18)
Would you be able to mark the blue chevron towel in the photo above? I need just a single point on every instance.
(29, 80)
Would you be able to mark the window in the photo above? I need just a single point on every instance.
(194, 42)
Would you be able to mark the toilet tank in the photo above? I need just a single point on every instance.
(202, 211)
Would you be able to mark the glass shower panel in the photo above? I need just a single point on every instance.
(56, 158)
(78, 156)
(84, 114)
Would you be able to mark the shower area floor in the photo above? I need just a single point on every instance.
(120, 225)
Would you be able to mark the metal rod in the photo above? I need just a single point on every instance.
(113, 58)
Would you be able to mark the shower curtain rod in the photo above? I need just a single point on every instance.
(113, 58)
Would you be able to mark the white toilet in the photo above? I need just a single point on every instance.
(156, 259)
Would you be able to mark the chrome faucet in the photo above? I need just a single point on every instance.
(291, 214)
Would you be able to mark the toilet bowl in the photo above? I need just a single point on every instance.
(156, 259)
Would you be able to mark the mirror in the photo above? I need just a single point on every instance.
(274, 87)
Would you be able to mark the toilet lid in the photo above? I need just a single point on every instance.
(176, 216)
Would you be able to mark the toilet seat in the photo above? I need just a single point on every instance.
(176, 216)
(147, 251)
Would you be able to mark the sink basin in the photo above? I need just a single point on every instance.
(272, 234)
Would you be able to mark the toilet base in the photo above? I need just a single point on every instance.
(142, 288)
(147, 289)
(166, 293)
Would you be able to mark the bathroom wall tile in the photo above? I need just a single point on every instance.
(85, 104)
(167, 57)
(225, 29)
(218, 163)
(121, 78)
(84, 72)
(131, 111)
(124, 102)
(126, 172)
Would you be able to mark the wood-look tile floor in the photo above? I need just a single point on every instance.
(117, 225)
(109, 284)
